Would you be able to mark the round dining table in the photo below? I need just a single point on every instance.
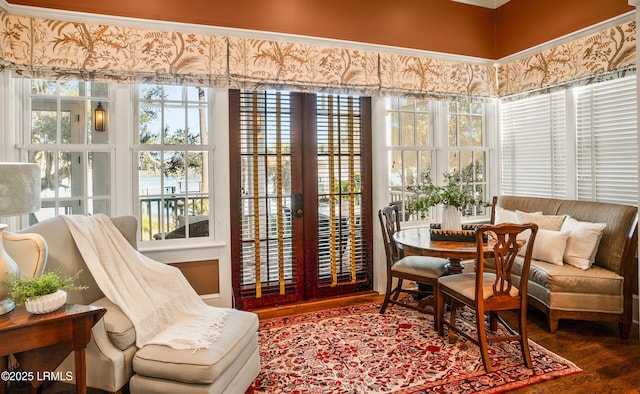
(417, 241)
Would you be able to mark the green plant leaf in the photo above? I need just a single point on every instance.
(454, 192)
(24, 289)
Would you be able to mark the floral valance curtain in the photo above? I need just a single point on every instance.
(53, 49)
(607, 54)
(43, 48)
(431, 77)
(265, 64)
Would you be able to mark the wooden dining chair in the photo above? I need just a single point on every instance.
(489, 293)
(421, 269)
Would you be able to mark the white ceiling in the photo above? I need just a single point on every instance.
(484, 3)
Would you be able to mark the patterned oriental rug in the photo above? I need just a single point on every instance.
(357, 350)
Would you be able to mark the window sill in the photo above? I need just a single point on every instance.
(159, 246)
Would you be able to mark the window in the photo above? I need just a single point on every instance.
(466, 148)
(173, 152)
(74, 159)
(411, 150)
(538, 159)
(414, 129)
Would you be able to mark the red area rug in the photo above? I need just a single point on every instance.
(358, 350)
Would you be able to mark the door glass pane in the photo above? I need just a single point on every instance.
(73, 121)
(65, 129)
(340, 230)
(266, 193)
(43, 126)
(68, 174)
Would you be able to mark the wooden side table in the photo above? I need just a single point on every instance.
(41, 342)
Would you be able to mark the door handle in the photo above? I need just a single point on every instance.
(298, 206)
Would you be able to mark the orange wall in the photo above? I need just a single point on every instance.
(435, 25)
(438, 25)
(522, 24)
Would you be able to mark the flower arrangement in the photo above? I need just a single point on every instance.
(26, 289)
(455, 192)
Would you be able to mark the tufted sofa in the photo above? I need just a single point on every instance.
(229, 366)
(603, 292)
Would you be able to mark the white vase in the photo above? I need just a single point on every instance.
(451, 218)
(46, 303)
(8, 270)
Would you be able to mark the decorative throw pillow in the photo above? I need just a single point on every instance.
(508, 216)
(548, 246)
(544, 222)
(583, 242)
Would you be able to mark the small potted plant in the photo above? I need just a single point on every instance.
(456, 196)
(44, 294)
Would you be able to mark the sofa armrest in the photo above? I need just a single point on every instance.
(108, 368)
(118, 327)
(103, 343)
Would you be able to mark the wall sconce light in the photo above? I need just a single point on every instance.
(98, 117)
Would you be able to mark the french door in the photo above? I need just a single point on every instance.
(301, 220)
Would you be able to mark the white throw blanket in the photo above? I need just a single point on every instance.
(156, 297)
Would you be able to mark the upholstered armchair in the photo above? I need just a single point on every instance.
(230, 365)
(110, 352)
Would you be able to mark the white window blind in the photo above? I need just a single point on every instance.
(533, 133)
(606, 142)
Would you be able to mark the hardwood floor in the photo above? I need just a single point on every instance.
(609, 364)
